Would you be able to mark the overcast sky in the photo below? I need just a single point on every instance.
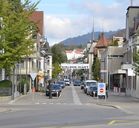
(71, 18)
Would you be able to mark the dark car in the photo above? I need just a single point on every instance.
(62, 83)
(93, 91)
(77, 83)
(55, 90)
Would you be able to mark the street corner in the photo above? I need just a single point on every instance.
(3, 109)
(16, 99)
(115, 106)
(108, 105)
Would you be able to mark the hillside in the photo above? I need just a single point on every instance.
(84, 39)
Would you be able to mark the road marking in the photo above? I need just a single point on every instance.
(112, 122)
(76, 99)
(128, 122)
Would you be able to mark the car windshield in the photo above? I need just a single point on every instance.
(60, 82)
(94, 88)
(77, 81)
(91, 83)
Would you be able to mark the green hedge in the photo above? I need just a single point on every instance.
(5, 84)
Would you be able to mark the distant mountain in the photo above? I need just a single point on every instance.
(84, 39)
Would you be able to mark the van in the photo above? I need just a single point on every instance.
(89, 83)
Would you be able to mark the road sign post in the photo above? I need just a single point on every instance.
(33, 76)
(101, 90)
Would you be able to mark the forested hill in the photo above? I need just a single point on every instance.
(84, 39)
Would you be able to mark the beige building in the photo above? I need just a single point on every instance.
(111, 60)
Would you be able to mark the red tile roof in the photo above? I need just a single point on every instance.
(68, 51)
(102, 41)
(78, 51)
(37, 18)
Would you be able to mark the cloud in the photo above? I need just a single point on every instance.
(107, 16)
(64, 27)
(104, 13)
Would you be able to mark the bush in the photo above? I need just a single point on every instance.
(5, 84)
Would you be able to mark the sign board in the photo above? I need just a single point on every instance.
(74, 66)
(101, 89)
(130, 72)
(33, 75)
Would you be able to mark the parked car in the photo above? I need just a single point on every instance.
(88, 83)
(55, 90)
(82, 84)
(76, 82)
(62, 83)
(67, 82)
(93, 91)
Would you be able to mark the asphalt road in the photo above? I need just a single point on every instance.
(73, 109)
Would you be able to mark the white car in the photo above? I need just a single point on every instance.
(67, 82)
(89, 83)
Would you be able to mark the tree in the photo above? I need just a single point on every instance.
(57, 69)
(136, 61)
(58, 53)
(114, 42)
(15, 31)
(96, 68)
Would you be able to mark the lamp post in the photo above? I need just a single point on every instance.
(108, 68)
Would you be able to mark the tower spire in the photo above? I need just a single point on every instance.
(131, 2)
(93, 36)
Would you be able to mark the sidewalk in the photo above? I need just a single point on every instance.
(125, 103)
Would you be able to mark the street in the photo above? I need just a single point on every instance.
(73, 109)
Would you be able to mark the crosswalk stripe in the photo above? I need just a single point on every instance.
(75, 96)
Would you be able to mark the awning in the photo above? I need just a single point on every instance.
(119, 71)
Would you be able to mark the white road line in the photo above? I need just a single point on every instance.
(76, 99)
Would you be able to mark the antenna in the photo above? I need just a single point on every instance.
(102, 27)
(131, 2)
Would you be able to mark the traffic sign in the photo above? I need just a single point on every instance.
(33, 75)
(101, 89)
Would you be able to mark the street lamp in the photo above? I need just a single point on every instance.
(108, 69)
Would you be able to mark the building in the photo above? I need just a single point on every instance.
(131, 45)
(91, 55)
(37, 67)
(111, 71)
(74, 55)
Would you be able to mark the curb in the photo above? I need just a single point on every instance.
(5, 110)
(116, 107)
(16, 98)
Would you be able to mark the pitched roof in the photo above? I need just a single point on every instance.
(37, 18)
(102, 41)
(78, 51)
(68, 51)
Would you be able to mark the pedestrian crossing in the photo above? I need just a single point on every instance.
(58, 103)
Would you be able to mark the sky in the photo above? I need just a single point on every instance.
(70, 18)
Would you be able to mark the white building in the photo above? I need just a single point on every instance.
(74, 54)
